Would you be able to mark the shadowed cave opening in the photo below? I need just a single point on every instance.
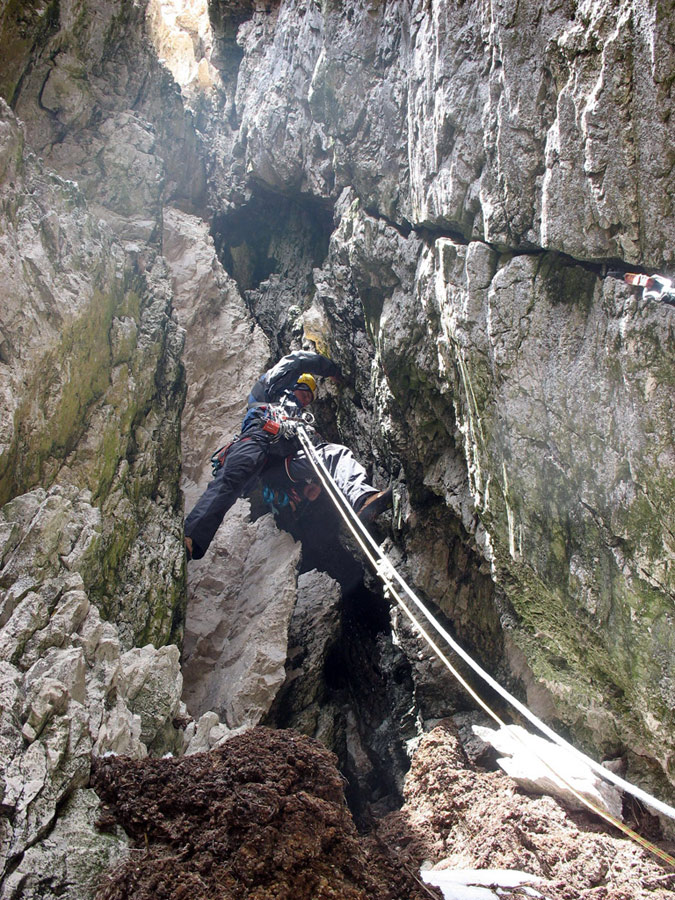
(367, 683)
(270, 245)
(368, 677)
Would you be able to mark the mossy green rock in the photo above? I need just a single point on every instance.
(92, 390)
(562, 392)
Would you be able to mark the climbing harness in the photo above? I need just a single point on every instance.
(394, 584)
(276, 422)
(219, 457)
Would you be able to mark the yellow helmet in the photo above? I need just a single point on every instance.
(307, 381)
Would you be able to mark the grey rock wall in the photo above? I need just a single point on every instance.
(242, 595)
(91, 386)
(536, 126)
(485, 163)
(432, 191)
(92, 572)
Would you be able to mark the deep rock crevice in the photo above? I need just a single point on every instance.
(270, 245)
(428, 193)
(363, 683)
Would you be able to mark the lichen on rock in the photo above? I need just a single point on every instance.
(91, 394)
(435, 192)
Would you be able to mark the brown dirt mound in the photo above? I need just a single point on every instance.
(262, 818)
(473, 819)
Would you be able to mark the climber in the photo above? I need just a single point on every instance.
(656, 287)
(293, 482)
(276, 399)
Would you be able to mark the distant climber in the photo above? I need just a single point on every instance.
(655, 287)
(267, 440)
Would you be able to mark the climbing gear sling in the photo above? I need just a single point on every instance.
(276, 422)
(656, 287)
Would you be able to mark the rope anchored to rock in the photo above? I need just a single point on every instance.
(395, 586)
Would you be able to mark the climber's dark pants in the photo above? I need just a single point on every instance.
(246, 459)
(243, 462)
(348, 473)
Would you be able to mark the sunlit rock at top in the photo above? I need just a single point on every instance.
(181, 33)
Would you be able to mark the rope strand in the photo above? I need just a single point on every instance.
(388, 575)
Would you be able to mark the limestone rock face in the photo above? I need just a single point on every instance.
(235, 648)
(69, 690)
(91, 555)
(524, 398)
(529, 127)
(100, 110)
(561, 378)
(534, 400)
(240, 597)
(73, 856)
(433, 192)
(183, 37)
(314, 628)
(89, 347)
(224, 354)
(61, 271)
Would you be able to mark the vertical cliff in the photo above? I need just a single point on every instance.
(433, 193)
(485, 167)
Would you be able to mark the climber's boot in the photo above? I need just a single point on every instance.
(374, 505)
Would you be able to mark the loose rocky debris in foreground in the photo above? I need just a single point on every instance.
(262, 817)
(473, 819)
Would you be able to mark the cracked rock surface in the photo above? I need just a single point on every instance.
(432, 194)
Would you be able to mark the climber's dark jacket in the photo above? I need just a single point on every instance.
(281, 377)
(250, 450)
(276, 387)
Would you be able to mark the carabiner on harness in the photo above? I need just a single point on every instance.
(218, 458)
(276, 500)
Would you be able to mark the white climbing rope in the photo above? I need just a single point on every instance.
(390, 578)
